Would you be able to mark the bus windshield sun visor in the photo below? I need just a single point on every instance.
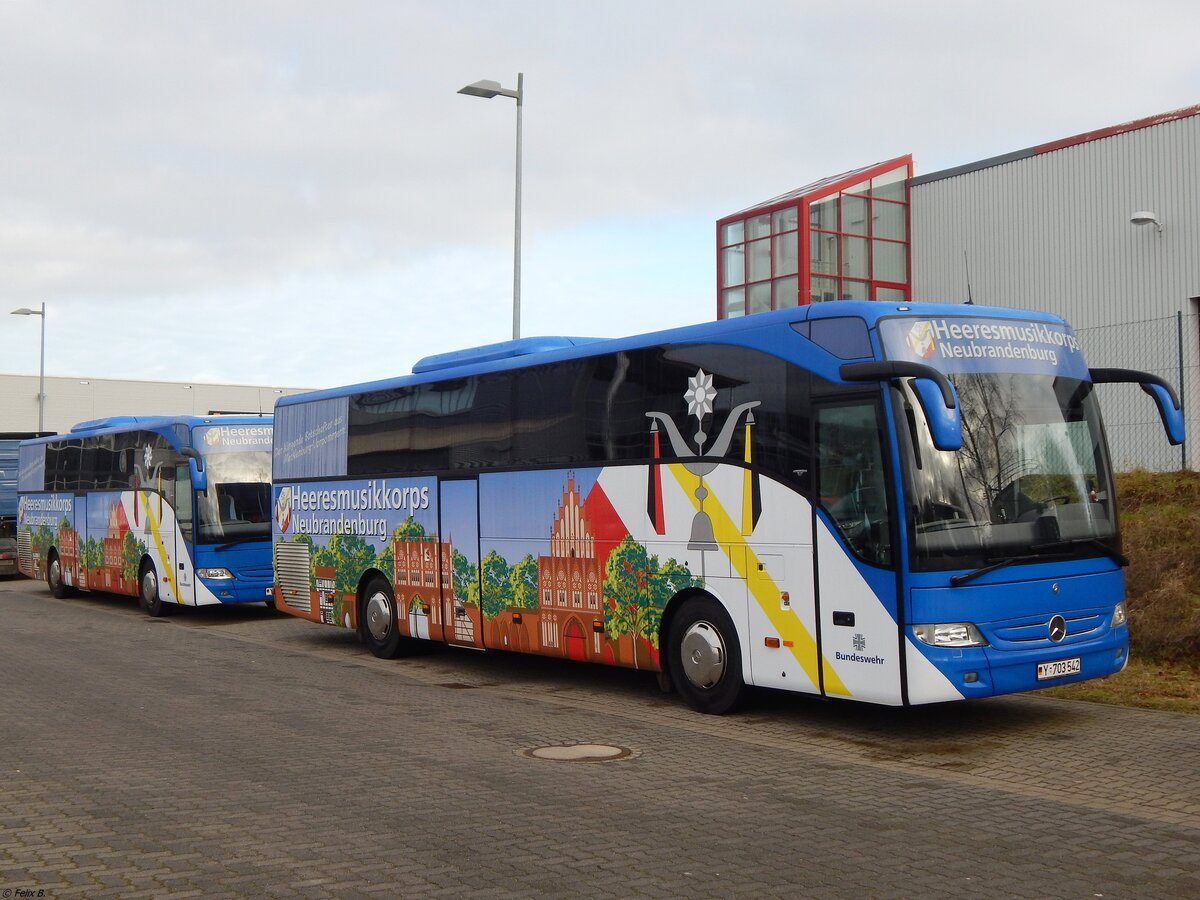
(933, 388)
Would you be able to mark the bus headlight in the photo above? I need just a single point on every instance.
(956, 634)
(1119, 617)
(215, 574)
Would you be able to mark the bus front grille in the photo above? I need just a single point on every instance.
(292, 567)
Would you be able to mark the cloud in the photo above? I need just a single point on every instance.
(260, 178)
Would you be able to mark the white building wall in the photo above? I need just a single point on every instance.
(1053, 232)
(73, 400)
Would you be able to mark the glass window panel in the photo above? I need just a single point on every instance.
(890, 295)
(786, 292)
(854, 257)
(890, 185)
(733, 233)
(758, 226)
(823, 252)
(889, 261)
(759, 297)
(823, 214)
(735, 302)
(844, 337)
(784, 219)
(733, 265)
(824, 289)
(855, 290)
(759, 262)
(786, 249)
(854, 215)
(890, 220)
(862, 187)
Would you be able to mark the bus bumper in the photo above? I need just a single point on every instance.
(238, 589)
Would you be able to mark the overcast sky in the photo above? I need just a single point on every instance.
(293, 193)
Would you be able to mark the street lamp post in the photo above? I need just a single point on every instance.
(26, 311)
(488, 90)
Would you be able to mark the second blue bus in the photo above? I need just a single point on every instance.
(175, 511)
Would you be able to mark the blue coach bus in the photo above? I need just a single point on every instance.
(895, 504)
(175, 511)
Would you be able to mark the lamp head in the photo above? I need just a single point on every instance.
(1146, 217)
(483, 88)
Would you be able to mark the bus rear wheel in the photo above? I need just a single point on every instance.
(380, 624)
(704, 658)
(148, 597)
(54, 578)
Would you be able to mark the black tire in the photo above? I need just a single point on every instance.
(148, 598)
(704, 657)
(54, 577)
(379, 622)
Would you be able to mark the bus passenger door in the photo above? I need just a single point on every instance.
(855, 554)
(185, 575)
(458, 545)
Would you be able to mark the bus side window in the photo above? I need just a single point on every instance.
(851, 483)
(183, 501)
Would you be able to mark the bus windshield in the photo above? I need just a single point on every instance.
(1031, 480)
(236, 506)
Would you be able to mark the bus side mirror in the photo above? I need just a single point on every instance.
(196, 468)
(936, 394)
(945, 424)
(1164, 396)
(1168, 410)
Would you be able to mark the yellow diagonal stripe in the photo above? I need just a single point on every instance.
(761, 585)
(162, 551)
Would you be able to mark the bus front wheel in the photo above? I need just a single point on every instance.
(380, 624)
(704, 657)
(148, 597)
(54, 577)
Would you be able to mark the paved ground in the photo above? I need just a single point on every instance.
(235, 752)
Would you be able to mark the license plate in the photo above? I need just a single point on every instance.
(1058, 668)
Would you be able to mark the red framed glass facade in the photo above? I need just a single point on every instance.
(841, 238)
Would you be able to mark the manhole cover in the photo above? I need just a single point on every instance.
(579, 753)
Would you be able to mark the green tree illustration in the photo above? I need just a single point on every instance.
(132, 552)
(40, 540)
(497, 589)
(523, 582)
(637, 588)
(351, 555)
(91, 554)
(466, 579)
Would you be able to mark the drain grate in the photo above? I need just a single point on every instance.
(579, 753)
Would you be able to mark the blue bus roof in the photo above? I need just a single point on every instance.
(119, 424)
(532, 351)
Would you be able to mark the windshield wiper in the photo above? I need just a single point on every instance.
(1056, 548)
(963, 578)
(1095, 543)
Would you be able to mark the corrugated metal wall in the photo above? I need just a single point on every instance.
(72, 400)
(1053, 232)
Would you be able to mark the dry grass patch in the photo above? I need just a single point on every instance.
(1171, 686)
